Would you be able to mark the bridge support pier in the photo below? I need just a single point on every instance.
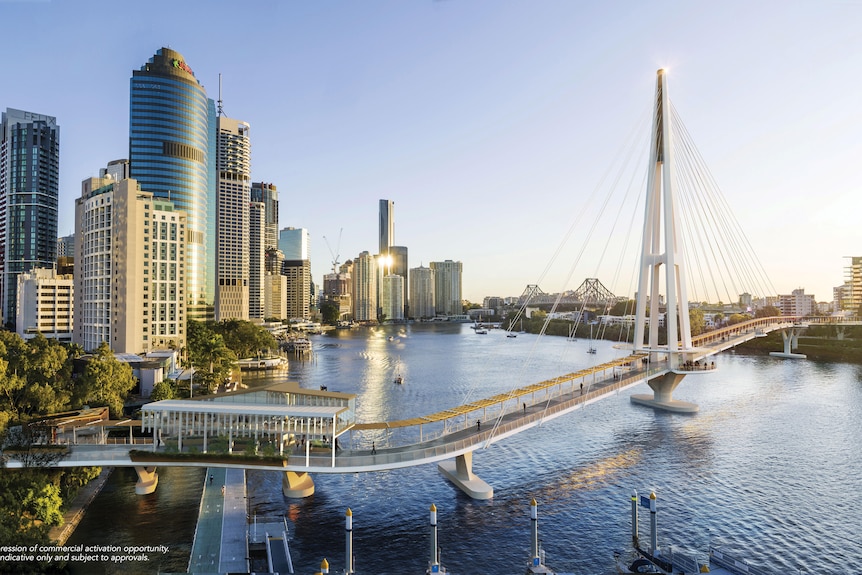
(460, 472)
(662, 397)
(791, 342)
(148, 480)
(297, 485)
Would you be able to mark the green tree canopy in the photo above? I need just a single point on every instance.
(107, 380)
(163, 390)
(697, 322)
(244, 338)
(767, 311)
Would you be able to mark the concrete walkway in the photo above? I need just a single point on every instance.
(75, 513)
(219, 545)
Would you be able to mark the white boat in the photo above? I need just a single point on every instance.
(482, 331)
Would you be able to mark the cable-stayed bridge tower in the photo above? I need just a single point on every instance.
(662, 264)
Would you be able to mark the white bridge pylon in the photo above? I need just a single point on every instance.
(662, 251)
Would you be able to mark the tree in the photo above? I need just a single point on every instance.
(696, 321)
(244, 338)
(621, 308)
(737, 318)
(767, 311)
(108, 381)
(163, 390)
(330, 312)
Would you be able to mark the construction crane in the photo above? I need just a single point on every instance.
(335, 253)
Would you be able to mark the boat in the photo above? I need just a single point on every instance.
(481, 331)
(253, 363)
(666, 561)
(511, 334)
(398, 379)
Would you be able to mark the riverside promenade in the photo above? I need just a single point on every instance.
(220, 536)
(61, 533)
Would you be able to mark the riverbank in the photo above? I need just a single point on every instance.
(815, 348)
(61, 533)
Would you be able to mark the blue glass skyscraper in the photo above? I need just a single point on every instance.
(172, 154)
(29, 185)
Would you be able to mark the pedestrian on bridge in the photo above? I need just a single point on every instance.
(373, 448)
(582, 388)
(478, 425)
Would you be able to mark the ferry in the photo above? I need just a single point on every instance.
(262, 363)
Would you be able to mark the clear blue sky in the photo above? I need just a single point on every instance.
(488, 122)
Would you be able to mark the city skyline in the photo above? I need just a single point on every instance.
(487, 123)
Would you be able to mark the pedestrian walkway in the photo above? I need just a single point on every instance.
(234, 549)
(61, 533)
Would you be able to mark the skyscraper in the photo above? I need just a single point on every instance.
(267, 194)
(387, 226)
(172, 145)
(422, 292)
(294, 243)
(447, 287)
(365, 288)
(29, 185)
(232, 220)
(256, 254)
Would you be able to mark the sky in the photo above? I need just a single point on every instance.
(489, 123)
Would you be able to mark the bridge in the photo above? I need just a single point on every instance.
(309, 431)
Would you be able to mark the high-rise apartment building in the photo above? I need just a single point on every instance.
(422, 292)
(275, 296)
(172, 146)
(45, 304)
(447, 287)
(365, 288)
(66, 246)
(130, 251)
(392, 298)
(233, 167)
(29, 186)
(386, 226)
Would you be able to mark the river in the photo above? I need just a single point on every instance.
(770, 468)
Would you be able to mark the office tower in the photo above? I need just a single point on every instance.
(387, 226)
(45, 304)
(172, 145)
(392, 298)
(130, 247)
(365, 288)
(298, 274)
(294, 243)
(29, 184)
(256, 254)
(447, 288)
(422, 292)
(233, 167)
(268, 195)
(117, 169)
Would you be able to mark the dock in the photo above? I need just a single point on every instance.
(225, 541)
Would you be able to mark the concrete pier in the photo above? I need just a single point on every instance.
(662, 397)
(791, 342)
(148, 480)
(297, 484)
(460, 472)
